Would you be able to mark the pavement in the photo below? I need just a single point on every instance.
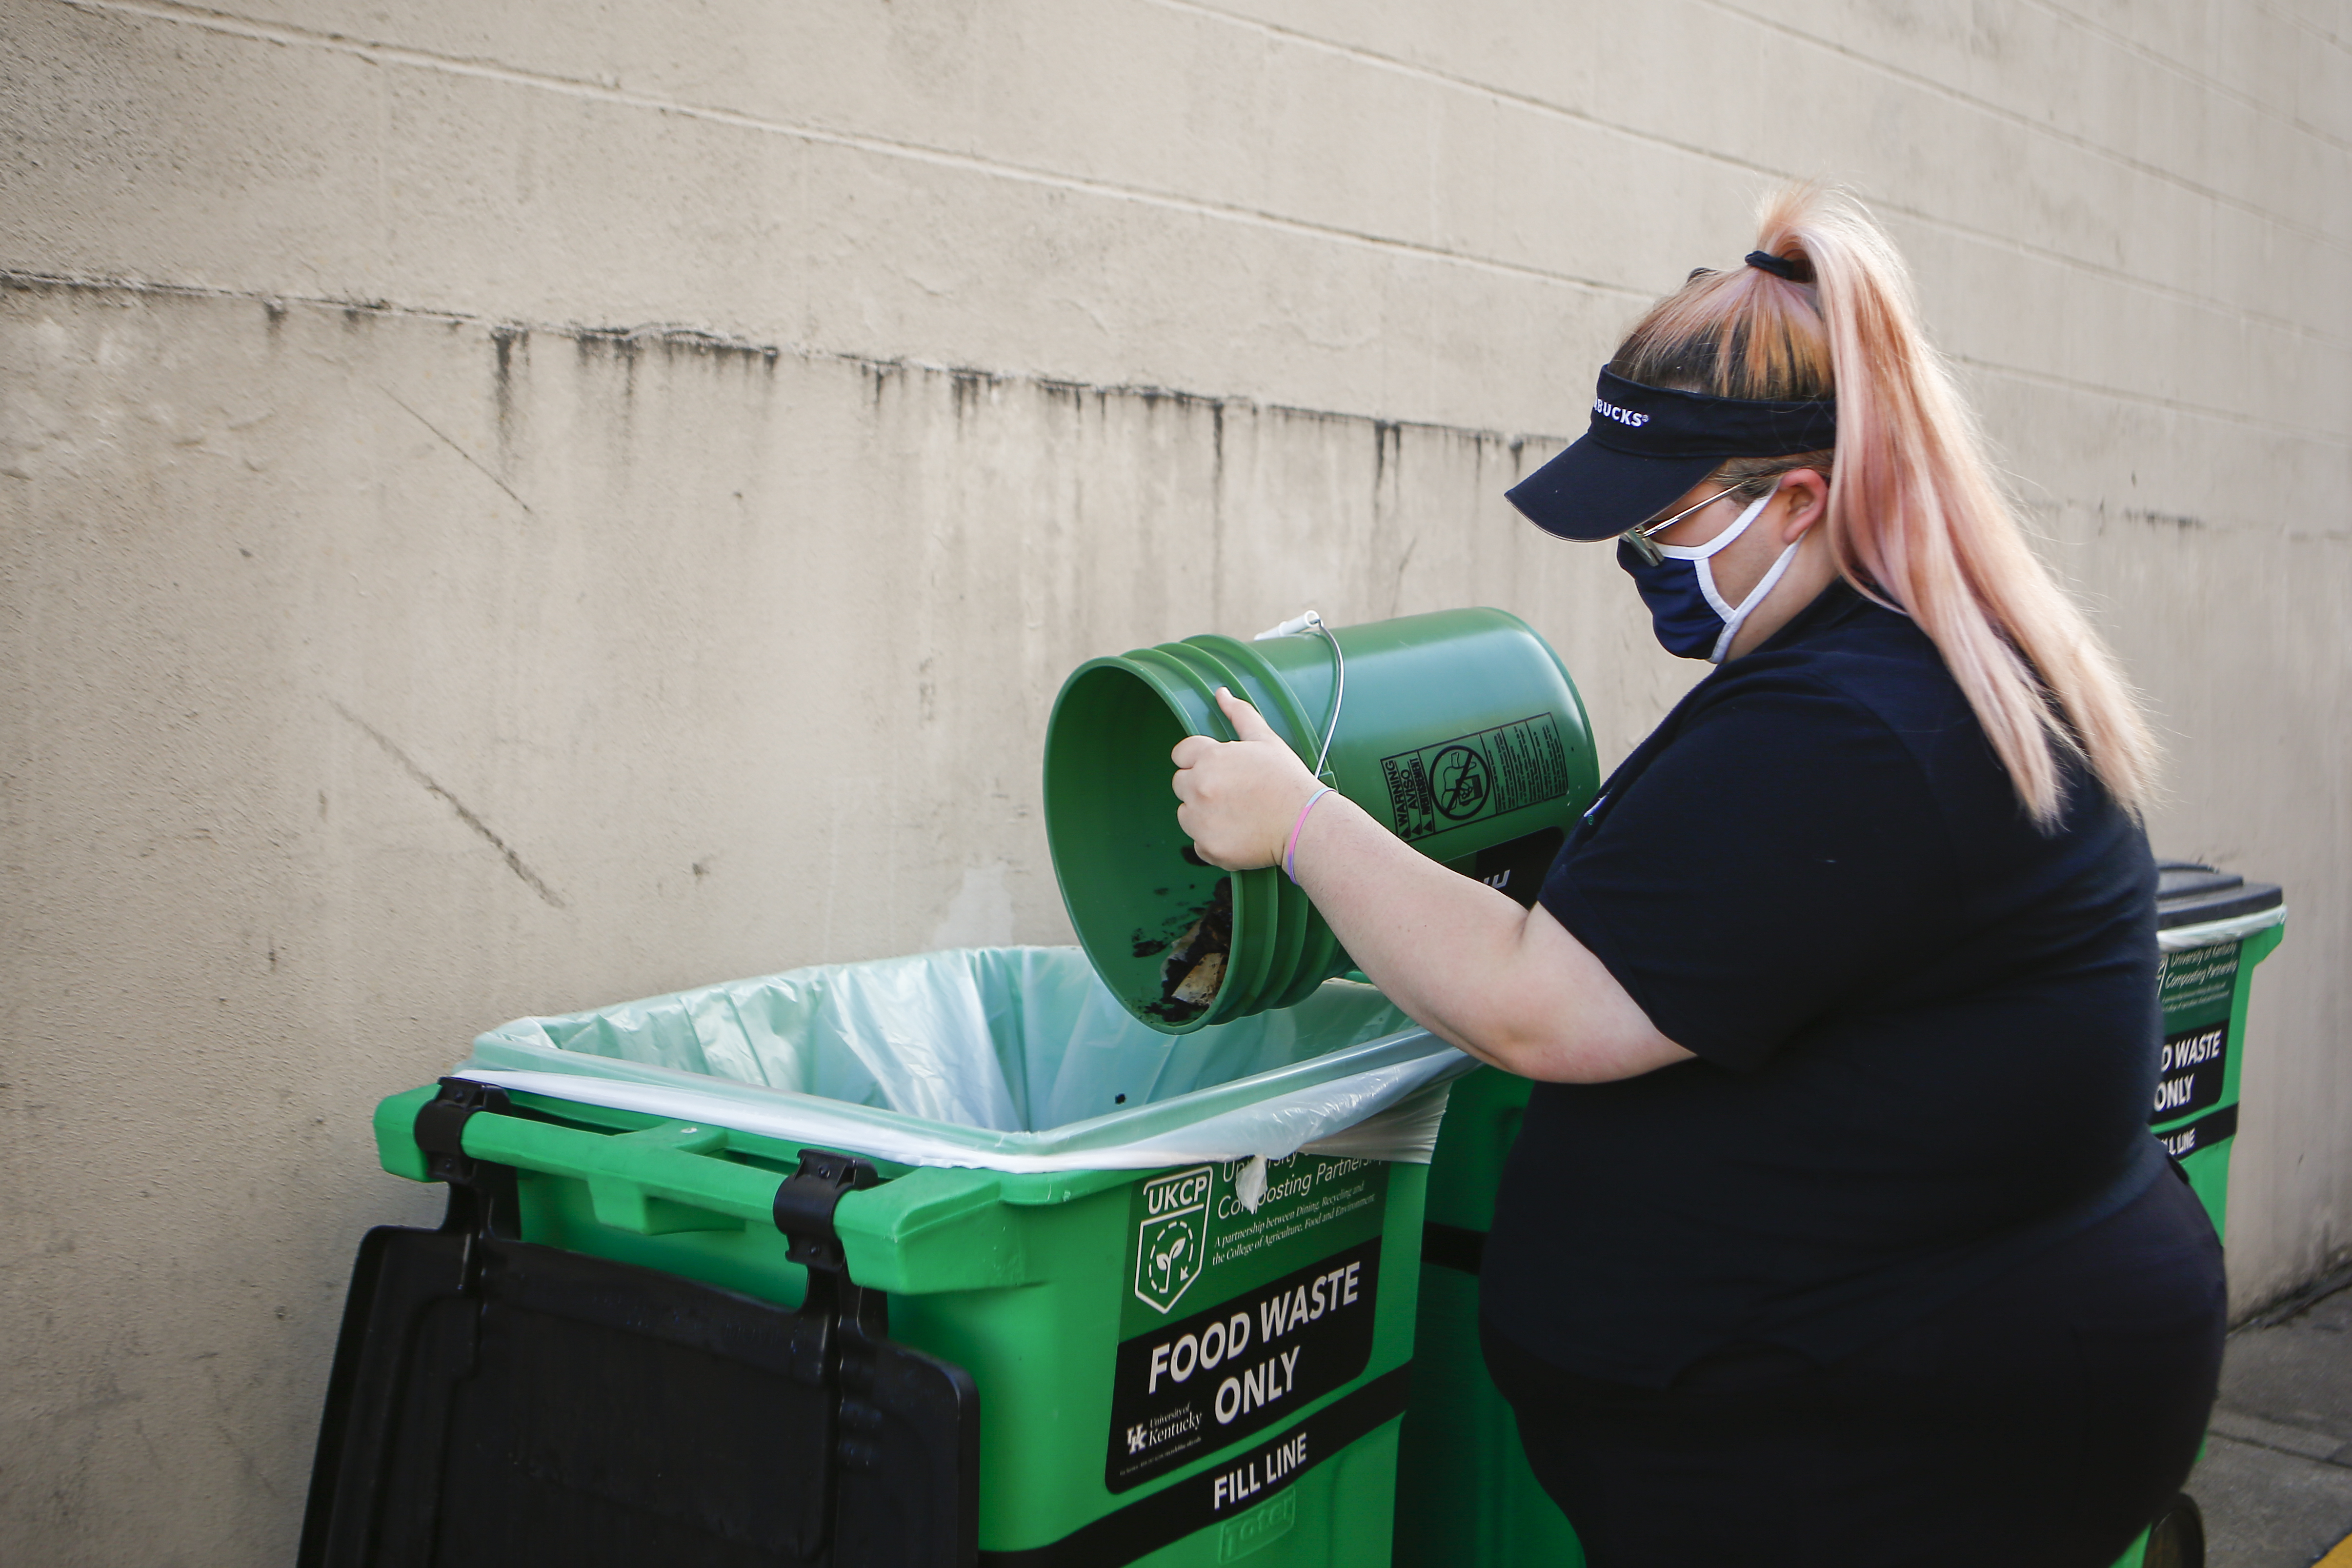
(2276, 1484)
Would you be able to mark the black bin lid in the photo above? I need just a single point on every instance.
(2189, 893)
(496, 1403)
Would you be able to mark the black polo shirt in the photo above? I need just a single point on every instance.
(1927, 1032)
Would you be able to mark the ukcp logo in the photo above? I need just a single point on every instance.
(1171, 1245)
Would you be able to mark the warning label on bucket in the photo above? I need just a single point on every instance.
(1474, 776)
(1278, 1266)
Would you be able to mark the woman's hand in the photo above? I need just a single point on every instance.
(1239, 796)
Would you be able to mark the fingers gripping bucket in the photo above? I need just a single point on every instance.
(1460, 730)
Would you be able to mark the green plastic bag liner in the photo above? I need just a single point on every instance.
(1003, 1058)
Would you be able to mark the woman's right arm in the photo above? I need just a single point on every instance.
(1509, 985)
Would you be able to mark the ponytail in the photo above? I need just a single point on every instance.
(1916, 519)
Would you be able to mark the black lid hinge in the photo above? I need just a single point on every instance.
(806, 1199)
(483, 1199)
(804, 1203)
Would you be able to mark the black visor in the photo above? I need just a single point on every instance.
(1648, 445)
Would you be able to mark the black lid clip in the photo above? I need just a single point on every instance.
(483, 1199)
(805, 1201)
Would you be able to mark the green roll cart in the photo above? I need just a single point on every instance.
(1466, 1498)
(2212, 928)
(772, 1273)
(995, 1271)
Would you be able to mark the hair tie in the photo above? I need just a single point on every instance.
(1778, 267)
(1290, 850)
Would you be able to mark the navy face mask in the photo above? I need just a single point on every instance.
(1691, 618)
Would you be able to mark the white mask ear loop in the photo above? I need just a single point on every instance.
(1738, 526)
(1735, 615)
(1747, 606)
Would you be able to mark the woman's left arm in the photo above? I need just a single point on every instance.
(1510, 986)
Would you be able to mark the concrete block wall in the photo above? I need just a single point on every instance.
(507, 508)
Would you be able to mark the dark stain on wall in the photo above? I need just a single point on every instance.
(504, 338)
(970, 387)
(2180, 522)
(1217, 450)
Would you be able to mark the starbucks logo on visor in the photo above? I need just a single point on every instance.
(1643, 446)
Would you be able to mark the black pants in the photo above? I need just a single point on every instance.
(2045, 1419)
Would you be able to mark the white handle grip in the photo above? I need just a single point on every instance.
(1291, 628)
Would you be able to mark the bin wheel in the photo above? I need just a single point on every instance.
(2177, 1540)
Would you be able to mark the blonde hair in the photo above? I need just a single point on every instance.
(1916, 518)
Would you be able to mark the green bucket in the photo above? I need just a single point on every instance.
(1460, 730)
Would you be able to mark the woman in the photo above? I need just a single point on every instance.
(1833, 1234)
